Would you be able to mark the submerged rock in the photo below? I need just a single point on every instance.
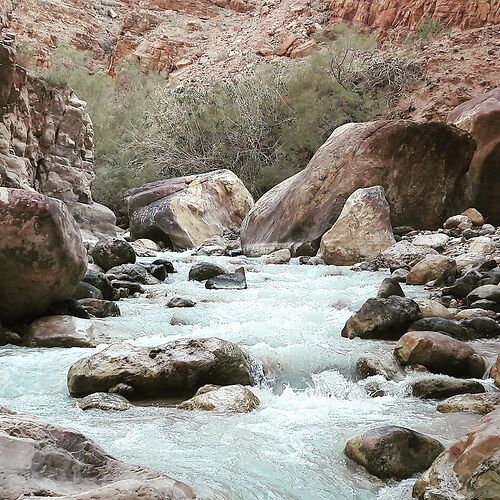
(439, 353)
(60, 331)
(229, 281)
(180, 302)
(468, 468)
(227, 399)
(112, 252)
(393, 452)
(440, 388)
(39, 459)
(178, 368)
(473, 403)
(382, 318)
(362, 230)
(202, 271)
(104, 401)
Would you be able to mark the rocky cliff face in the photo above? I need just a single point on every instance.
(387, 14)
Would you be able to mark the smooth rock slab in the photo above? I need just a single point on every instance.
(393, 452)
(104, 401)
(473, 403)
(39, 458)
(227, 399)
(178, 368)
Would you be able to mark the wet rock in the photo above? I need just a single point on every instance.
(227, 399)
(481, 327)
(443, 325)
(39, 459)
(37, 266)
(441, 388)
(214, 246)
(362, 230)
(468, 468)
(370, 366)
(393, 452)
(202, 271)
(87, 291)
(400, 275)
(488, 305)
(229, 281)
(60, 331)
(104, 401)
(158, 272)
(100, 281)
(382, 318)
(125, 390)
(435, 240)
(282, 256)
(433, 309)
(70, 307)
(130, 286)
(432, 268)
(112, 252)
(473, 313)
(485, 292)
(167, 264)
(184, 212)
(495, 372)
(9, 337)
(463, 285)
(180, 302)
(178, 368)
(389, 287)
(472, 403)
(132, 272)
(100, 308)
(439, 353)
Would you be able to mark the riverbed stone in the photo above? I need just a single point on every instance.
(202, 271)
(100, 281)
(463, 285)
(87, 291)
(442, 325)
(228, 281)
(444, 387)
(42, 460)
(393, 452)
(180, 302)
(371, 365)
(433, 309)
(439, 353)
(495, 372)
(177, 368)
(484, 292)
(60, 331)
(475, 216)
(433, 240)
(382, 318)
(136, 273)
(468, 468)
(432, 268)
(401, 254)
(112, 252)
(282, 256)
(473, 403)
(100, 308)
(389, 287)
(104, 401)
(226, 399)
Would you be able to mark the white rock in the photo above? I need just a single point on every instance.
(437, 240)
(282, 256)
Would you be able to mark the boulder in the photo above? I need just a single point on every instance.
(202, 271)
(463, 285)
(228, 281)
(457, 221)
(60, 331)
(401, 254)
(183, 212)
(111, 252)
(382, 318)
(178, 368)
(472, 403)
(482, 245)
(484, 292)
(167, 264)
(481, 117)
(136, 273)
(434, 240)
(442, 325)
(389, 287)
(227, 399)
(433, 309)
(439, 353)
(432, 268)
(100, 308)
(468, 468)
(282, 256)
(411, 161)
(441, 388)
(104, 401)
(39, 459)
(87, 291)
(95, 221)
(362, 231)
(100, 281)
(180, 302)
(370, 366)
(393, 452)
(42, 258)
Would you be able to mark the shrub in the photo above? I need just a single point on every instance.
(426, 30)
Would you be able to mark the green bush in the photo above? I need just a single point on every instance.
(427, 30)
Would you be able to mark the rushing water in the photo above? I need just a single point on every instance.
(289, 320)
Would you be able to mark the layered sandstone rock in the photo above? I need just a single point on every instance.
(44, 460)
(42, 258)
(481, 117)
(415, 163)
(387, 14)
(185, 211)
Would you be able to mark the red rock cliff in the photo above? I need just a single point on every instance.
(387, 14)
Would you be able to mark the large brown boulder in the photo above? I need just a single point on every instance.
(42, 460)
(415, 163)
(42, 258)
(363, 229)
(432, 268)
(481, 117)
(185, 211)
(468, 468)
(178, 368)
(393, 452)
(439, 353)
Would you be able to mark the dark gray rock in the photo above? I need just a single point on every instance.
(112, 252)
(101, 282)
(87, 291)
(136, 273)
(389, 287)
(441, 388)
(180, 302)
(100, 308)
(202, 271)
(463, 285)
(104, 401)
(228, 281)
